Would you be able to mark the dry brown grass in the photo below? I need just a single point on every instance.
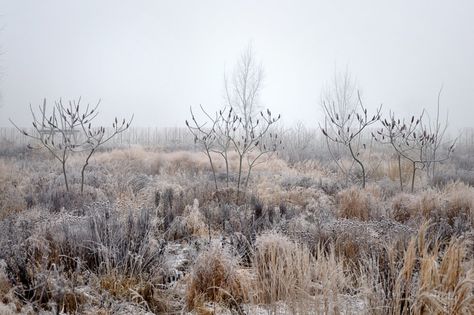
(331, 280)
(402, 207)
(311, 168)
(282, 269)
(195, 220)
(433, 279)
(11, 202)
(425, 205)
(271, 192)
(460, 201)
(272, 164)
(454, 201)
(350, 249)
(428, 204)
(356, 203)
(287, 273)
(154, 163)
(340, 255)
(216, 278)
(11, 197)
(5, 286)
(393, 172)
(191, 223)
(135, 290)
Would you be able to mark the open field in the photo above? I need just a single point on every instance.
(150, 234)
(236, 157)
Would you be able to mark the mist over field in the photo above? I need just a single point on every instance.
(157, 58)
(233, 157)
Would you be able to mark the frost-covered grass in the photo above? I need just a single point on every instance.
(150, 235)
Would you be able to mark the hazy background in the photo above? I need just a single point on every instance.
(157, 58)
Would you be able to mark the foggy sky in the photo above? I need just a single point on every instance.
(157, 58)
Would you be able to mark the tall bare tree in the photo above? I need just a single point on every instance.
(242, 89)
(438, 129)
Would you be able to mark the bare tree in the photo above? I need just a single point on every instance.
(411, 141)
(438, 130)
(259, 143)
(205, 136)
(238, 126)
(401, 135)
(68, 129)
(96, 137)
(57, 133)
(226, 131)
(242, 92)
(339, 97)
(249, 131)
(345, 119)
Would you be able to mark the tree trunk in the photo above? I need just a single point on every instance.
(84, 169)
(248, 176)
(226, 169)
(413, 177)
(400, 172)
(239, 177)
(63, 161)
(65, 175)
(358, 162)
(212, 167)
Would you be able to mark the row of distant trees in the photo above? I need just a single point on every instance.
(243, 127)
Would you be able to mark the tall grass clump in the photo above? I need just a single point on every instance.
(460, 202)
(331, 281)
(216, 278)
(356, 203)
(282, 269)
(435, 278)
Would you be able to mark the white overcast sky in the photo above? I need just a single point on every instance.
(157, 58)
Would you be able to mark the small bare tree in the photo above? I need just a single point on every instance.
(344, 125)
(411, 141)
(339, 97)
(228, 132)
(258, 141)
(58, 131)
(401, 135)
(68, 129)
(239, 126)
(226, 129)
(96, 137)
(205, 136)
